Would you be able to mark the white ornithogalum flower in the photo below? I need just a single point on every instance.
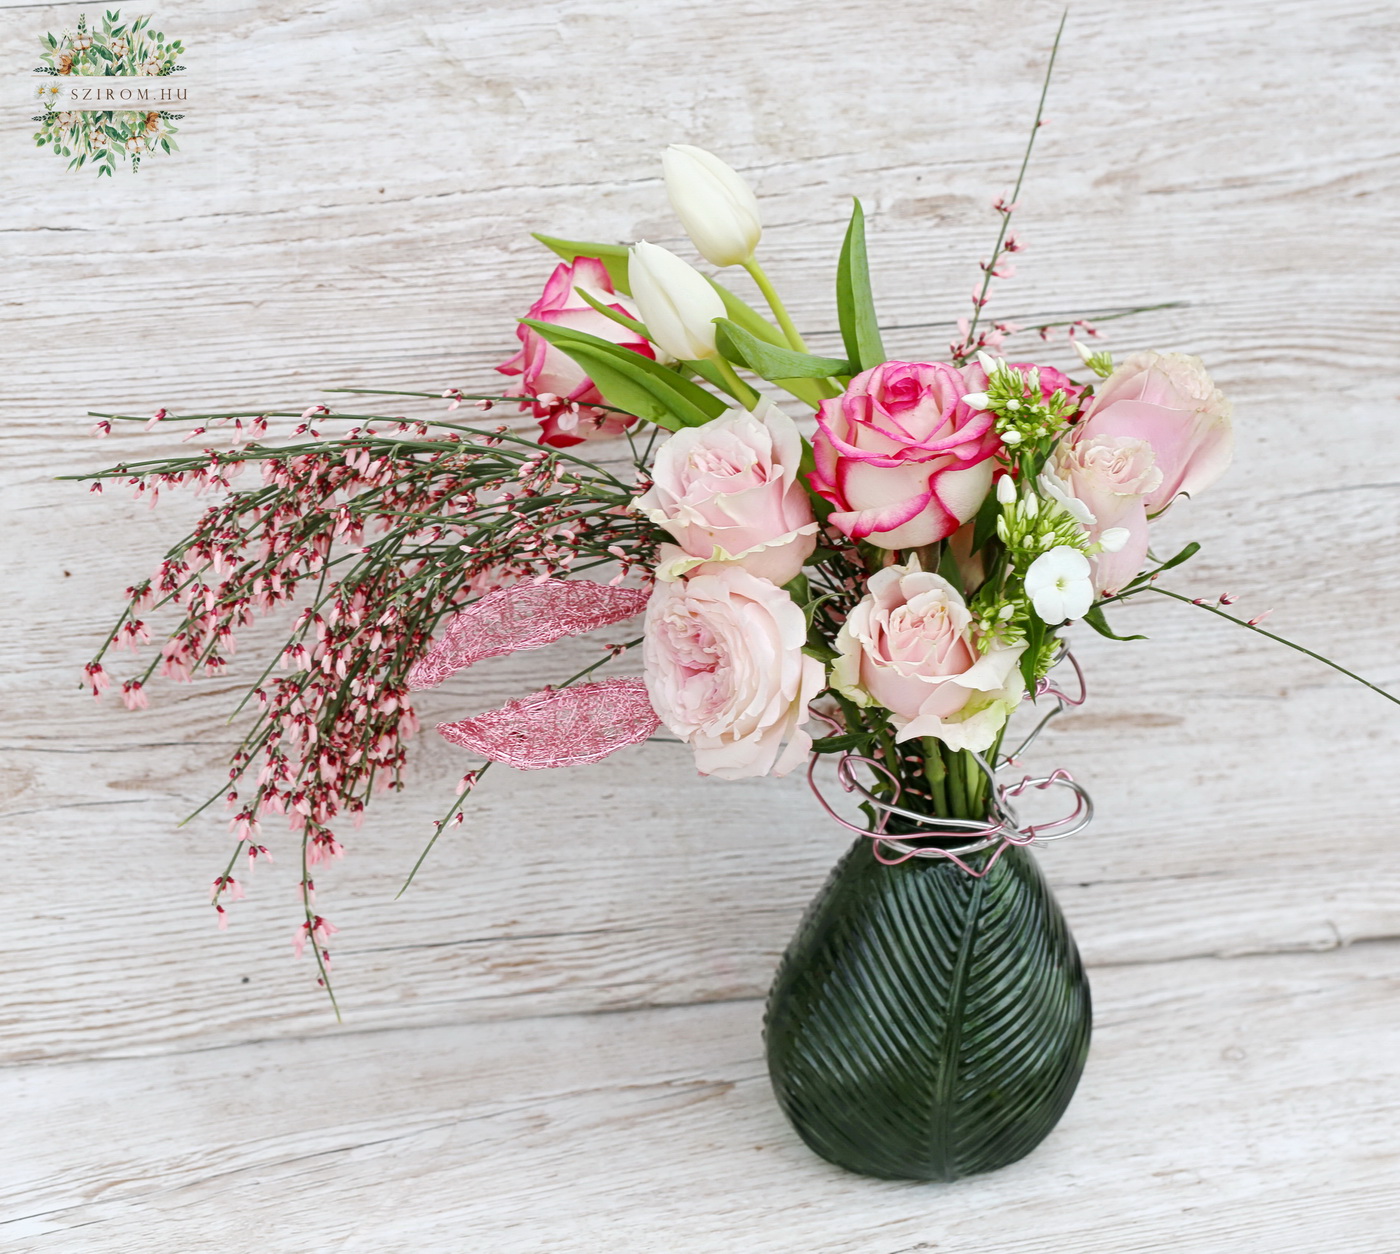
(717, 208)
(1059, 585)
(1006, 490)
(1114, 538)
(678, 303)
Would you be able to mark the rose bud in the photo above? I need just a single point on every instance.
(553, 382)
(1104, 483)
(716, 207)
(677, 302)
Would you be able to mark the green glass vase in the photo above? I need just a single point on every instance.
(926, 1024)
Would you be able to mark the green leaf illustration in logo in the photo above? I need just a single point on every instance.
(75, 62)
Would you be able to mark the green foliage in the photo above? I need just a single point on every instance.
(621, 319)
(854, 306)
(1095, 618)
(806, 390)
(773, 362)
(633, 383)
(613, 256)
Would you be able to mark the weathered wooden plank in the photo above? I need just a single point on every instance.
(1246, 1104)
(1233, 157)
(280, 268)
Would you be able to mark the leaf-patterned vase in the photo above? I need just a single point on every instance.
(926, 1024)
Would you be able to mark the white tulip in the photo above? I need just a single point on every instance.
(717, 208)
(678, 303)
(1059, 585)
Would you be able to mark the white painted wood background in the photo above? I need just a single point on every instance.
(552, 1042)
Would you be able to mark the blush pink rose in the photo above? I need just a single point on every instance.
(909, 646)
(725, 670)
(728, 492)
(1109, 478)
(546, 371)
(1169, 401)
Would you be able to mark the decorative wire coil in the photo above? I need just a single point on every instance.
(1002, 830)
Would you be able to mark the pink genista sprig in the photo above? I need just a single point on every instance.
(972, 339)
(378, 537)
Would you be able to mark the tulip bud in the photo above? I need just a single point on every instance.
(676, 301)
(717, 208)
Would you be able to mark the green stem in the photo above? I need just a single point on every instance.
(936, 774)
(735, 386)
(976, 786)
(957, 784)
(775, 303)
(1176, 596)
(1016, 191)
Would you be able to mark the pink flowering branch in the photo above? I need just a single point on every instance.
(1253, 625)
(996, 267)
(378, 535)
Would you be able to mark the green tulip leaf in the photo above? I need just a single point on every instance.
(613, 256)
(621, 319)
(756, 324)
(634, 383)
(854, 305)
(773, 361)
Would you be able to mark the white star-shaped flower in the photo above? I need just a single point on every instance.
(1059, 586)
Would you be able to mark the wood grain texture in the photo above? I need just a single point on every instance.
(354, 209)
(1245, 1105)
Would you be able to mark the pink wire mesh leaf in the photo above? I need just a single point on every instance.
(523, 616)
(560, 726)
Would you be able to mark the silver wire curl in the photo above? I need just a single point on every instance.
(1003, 829)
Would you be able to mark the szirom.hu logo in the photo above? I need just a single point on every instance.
(116, 97)
(100, 105)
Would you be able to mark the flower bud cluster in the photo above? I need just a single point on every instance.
(1030, 525)
(1023, 412)
(1101, 362)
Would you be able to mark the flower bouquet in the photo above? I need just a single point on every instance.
(870, 592)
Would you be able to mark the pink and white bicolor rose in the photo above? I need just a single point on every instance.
(902, 457)
(1169, 401)
(909, 646)
(728, 492)
(1105, 482)
(549, 372)
(725, 671)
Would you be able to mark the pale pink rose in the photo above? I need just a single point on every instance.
(1111, 478)
(903, 458)
(1168, 400)
(728, 492)
(551, 373)
(725, 670)
(909, 646)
